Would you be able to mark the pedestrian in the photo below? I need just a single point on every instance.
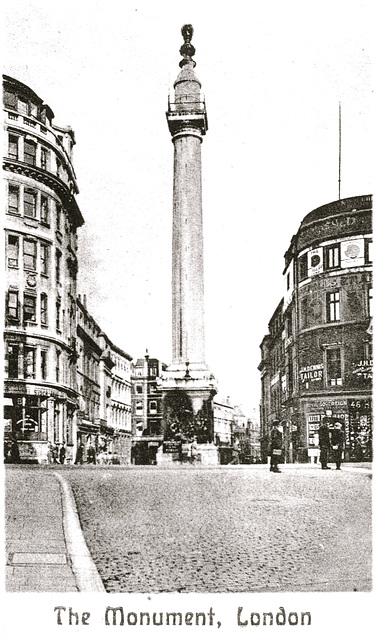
(79, 455)
(91, 455)
(324, 442)
(276, 446)
(55, 454)
(194, 450)
(15, 452)
(235, 453)
(337, 441)
(62, 454)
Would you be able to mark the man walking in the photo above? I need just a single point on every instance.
(276, 446)
(324, 443)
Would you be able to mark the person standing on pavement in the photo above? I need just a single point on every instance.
(91, 455)
(275, 446)
(62, 453)
(324, 443)
(337, 442)
(15, 452)
(79, 454)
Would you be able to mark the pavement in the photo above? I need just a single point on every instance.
(45, 546)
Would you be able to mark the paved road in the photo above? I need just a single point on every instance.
(228, 529)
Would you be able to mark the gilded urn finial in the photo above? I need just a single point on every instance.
(187, 50)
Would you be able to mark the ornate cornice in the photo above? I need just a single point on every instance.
(49, 180)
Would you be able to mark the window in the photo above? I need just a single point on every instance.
(44, 316)
(58, 366)
(12, 252)
(59, 164)
(370, 302)
(288, 280)
(44, 365)
(13, 147)
(304, 313)
(29, 203)
(289, 325)
(153, 406)
(368, 250)
(29, 362)
(58, 216)
(13, 352)
(139, 408)
(29, 308)
(333, 306)
(13, 199)
(30, 255)
(13, 306)
(30, 152)
(10, 100)
(44, 158)
(35, 414)
(44, 209)
(139, 388)
(58, 314)
(58, 257)
(332, 256)
(333, 367)
(23, 107)
(44, 259)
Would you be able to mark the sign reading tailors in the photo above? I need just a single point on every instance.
(311, 373)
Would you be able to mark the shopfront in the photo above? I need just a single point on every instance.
(355, 414)
(37, 417)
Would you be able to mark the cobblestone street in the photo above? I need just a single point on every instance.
(228, 529)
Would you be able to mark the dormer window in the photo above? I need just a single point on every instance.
(23, 107)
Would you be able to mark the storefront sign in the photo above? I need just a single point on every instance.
(311, 373)
(336, 406)
(170, 446)
(363, 369)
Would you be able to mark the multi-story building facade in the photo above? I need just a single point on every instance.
(41, 222)
(104, 387)
(317, 356)
(147, 409)
(65, 381)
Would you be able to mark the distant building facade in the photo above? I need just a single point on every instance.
(234, 432)
(41, 222)
(146, 409)
(318, 356)
(104, 416)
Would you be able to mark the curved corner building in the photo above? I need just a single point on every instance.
(317, 358)
(41, 222)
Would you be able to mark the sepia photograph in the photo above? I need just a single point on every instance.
(188, 318)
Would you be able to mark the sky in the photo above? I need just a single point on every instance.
(273, 75)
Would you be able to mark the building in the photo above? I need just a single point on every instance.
(188, 386)
(233, 431)
(104, 416)
(65, 381)
(146, 409)
(41, 222)
(317, 356)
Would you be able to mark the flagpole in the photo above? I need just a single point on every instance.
(339, 151)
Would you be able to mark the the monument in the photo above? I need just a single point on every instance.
(188, 386)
